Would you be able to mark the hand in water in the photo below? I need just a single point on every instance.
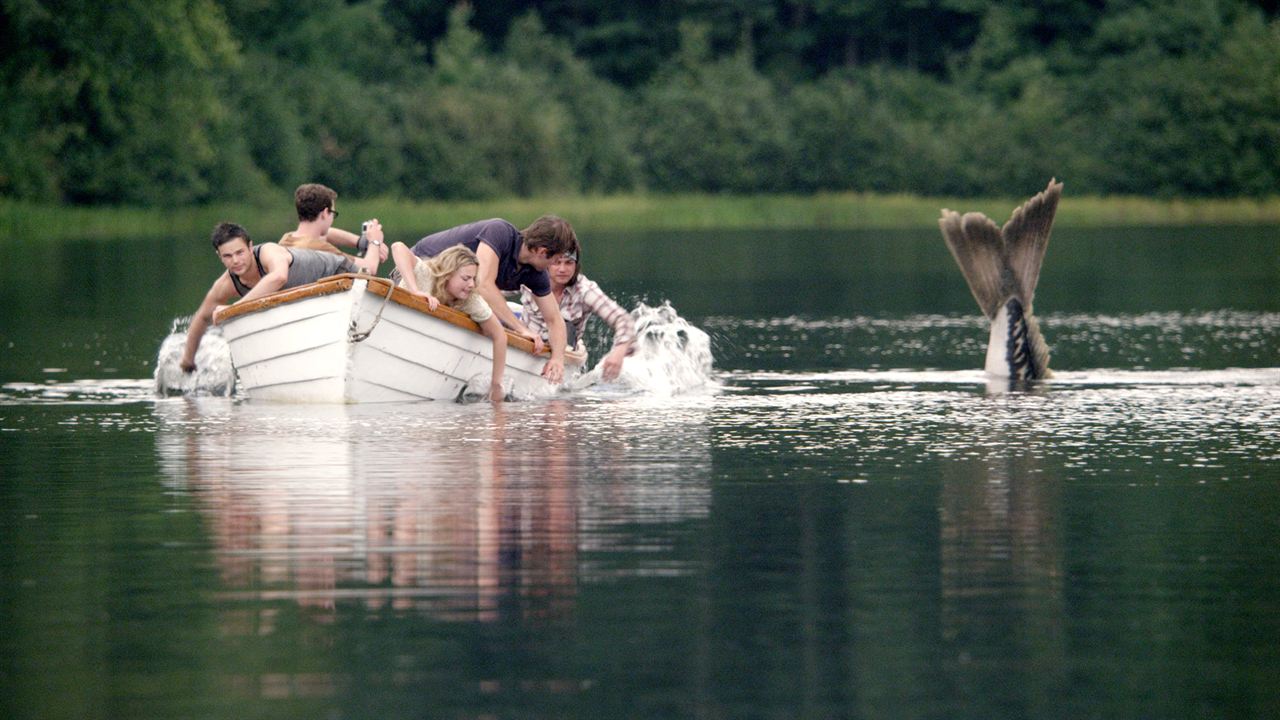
(611, 366)
(553, 371)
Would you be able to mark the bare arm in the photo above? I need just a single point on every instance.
(221, 291)
(495, 331)
(276, 261)
(624, 328)
(405, 262)
(342, 238)
(487, 286)
(369, 263)
(553, 371)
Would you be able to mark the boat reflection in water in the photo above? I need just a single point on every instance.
(461, 512)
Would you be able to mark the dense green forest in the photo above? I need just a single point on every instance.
(170, 102)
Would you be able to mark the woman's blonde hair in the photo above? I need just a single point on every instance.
(439, 268)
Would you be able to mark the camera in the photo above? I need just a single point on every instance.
(362, 245)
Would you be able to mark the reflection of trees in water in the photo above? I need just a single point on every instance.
(895, 597)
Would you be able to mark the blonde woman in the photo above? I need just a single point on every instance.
(450, 278)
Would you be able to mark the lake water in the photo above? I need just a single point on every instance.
(844, 521)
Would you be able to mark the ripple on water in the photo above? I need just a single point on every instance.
(1204, 340)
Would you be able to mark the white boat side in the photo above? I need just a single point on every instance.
(344, 339)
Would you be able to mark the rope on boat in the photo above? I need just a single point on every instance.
(355, 337)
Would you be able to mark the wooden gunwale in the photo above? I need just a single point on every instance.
(400, 296)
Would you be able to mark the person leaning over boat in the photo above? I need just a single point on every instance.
(578, 298)
(253, 272)
(316, 206)
(450, 278)
(508, 259)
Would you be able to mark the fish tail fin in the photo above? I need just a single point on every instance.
(999, 263)
(976, 245)
(1026, 237)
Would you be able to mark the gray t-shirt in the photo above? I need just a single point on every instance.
(307, 266)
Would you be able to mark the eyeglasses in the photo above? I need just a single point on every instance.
(333, 212)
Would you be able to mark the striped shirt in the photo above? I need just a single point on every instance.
(580, 300)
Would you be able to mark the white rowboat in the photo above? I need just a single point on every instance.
(357, 339)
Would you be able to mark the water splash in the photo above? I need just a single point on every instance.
(214, 373)
(671, 356)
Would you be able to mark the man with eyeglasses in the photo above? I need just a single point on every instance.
(317, 211)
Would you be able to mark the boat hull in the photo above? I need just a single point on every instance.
(345, 340)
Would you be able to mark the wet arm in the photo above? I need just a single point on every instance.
(495, 331)
(487, 286)
(221, 291)
(556, 336)
(624, 329)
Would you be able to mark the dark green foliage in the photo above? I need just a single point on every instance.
(713, 125)
(181, 101)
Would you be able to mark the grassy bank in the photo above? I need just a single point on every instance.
(632, 212)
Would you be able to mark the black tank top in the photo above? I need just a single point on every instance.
(243, 289)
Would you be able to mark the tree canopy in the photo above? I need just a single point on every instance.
(186, 101)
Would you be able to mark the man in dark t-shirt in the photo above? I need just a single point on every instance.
(510, 258)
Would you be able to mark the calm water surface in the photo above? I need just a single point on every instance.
(847, 521)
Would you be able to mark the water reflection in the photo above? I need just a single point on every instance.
(1003, 619)
(471, 513)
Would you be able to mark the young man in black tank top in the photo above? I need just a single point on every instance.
(255, 272)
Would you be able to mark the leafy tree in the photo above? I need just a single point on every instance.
(600, 134)
(712, 125)
(128, 94)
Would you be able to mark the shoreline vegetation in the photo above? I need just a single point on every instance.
(824, 211)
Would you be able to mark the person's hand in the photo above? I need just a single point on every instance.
(188, 366)
(373, 233)
(534, 338)
(432, 301)
(496, 393)
(611, 366)
(553, 371)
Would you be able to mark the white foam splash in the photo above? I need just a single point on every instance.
(214, 373)
(671, 357)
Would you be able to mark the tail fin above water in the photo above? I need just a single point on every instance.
(1002, 263)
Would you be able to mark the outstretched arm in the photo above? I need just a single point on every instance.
(553, 371)
(495, 331)
(487, 286)
(624, 328)
(221, 291)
